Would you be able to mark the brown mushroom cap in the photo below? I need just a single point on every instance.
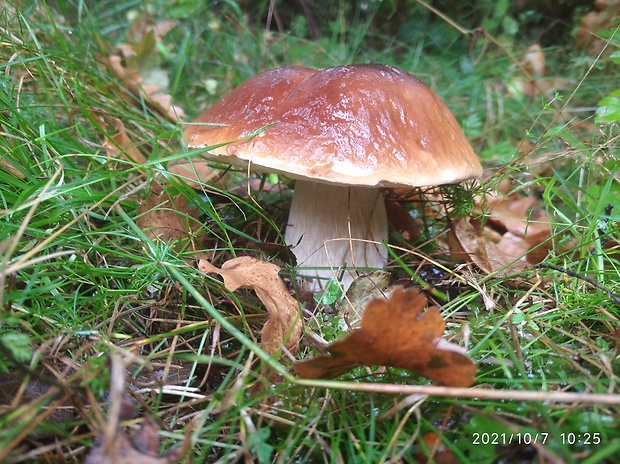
(365, 125)
(249, 107)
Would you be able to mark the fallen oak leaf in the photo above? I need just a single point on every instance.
(284, 323)
(396, 333)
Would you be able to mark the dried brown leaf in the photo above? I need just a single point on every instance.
(198, 173)
(142, 449)
(144, 24)
(396, 333)
(535, 60)
(284, 323)
(466, 245)
(516, 234)
(594, 21)
(140, 81)
(120, 146)
(162, 27)
(9, 167)
(363, 290)
(5, 163)
(533, 80)
(521, 216)
(500, 260)
(438, 451)
(534, 64)
(167, 218)
(523, 219)
(162, 103)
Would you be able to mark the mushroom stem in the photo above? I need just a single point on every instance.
(330, 225)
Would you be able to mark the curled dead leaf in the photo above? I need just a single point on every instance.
(154, 96)
(521, 216)
(517, 233)
(470, 245)
(528, 225)
(396, 333)
(363, 290)
(284, 323)
(467, 245)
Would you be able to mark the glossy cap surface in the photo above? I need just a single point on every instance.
(366, 125)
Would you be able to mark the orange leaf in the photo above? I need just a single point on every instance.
(284, 324)
(396, 333)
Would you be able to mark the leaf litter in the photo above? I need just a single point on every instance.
(516, 234)
(136, 63)
(142, 448)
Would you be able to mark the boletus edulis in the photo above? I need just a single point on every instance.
(343, 133)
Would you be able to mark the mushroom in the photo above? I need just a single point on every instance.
(342, 133)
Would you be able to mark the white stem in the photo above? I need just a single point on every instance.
(330, 226)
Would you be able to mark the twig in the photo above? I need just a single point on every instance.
(594, 283)
(475, 392)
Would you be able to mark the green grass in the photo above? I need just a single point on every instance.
(84, 291)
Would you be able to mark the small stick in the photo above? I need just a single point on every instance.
(594, 283)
